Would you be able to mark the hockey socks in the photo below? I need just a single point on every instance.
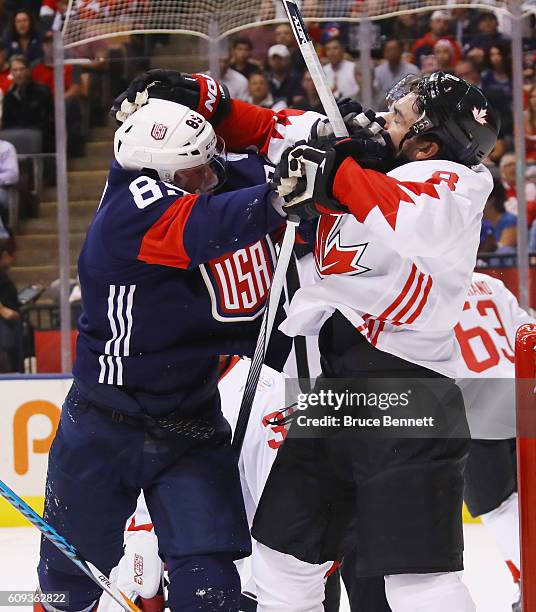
(503, 524)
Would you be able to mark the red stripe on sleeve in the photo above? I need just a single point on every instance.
(401, 295)
(163, 243)
(412, 300)
(422, 302)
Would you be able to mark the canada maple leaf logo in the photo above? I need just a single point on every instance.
(480, 115)
(332, 257)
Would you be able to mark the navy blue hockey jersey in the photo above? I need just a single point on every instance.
(170, 280)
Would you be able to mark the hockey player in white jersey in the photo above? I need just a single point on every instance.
(486, 335)
(388, 311)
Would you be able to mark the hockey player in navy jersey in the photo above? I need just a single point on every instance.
(395, 255)
(172, 276)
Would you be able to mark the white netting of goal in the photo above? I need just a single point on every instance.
(89, 20)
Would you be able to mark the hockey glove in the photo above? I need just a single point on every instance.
(200, 92)
(360, 122)
(304, 176)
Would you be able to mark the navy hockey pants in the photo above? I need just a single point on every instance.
(96, 470)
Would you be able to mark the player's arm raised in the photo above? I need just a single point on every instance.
(241, 125)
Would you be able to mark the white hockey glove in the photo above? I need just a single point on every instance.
(361, 122)
(128, 108)
(139, 572)
(304, 177)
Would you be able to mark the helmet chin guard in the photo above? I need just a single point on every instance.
(166, 137)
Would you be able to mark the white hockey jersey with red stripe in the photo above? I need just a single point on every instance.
(486, 334)
(398, 267)
(487, 328)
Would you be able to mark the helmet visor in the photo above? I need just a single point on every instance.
(405, 86)
(207, 177)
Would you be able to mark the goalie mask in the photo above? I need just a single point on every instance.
(173, 141)
(457, 113)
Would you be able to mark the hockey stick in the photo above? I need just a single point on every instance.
(315, 69)
(334, 115)
(67, 549)
(272, 304)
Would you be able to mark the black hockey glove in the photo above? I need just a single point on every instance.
(304, 176)
(200, 92)
(360, 122)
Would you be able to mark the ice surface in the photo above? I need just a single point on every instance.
(486, 575)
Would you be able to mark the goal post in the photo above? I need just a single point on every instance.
(526, 459)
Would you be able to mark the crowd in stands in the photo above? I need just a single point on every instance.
(264, 66)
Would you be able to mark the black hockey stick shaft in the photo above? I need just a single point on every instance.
(272, 304)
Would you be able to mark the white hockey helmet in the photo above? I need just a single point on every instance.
(169, 138)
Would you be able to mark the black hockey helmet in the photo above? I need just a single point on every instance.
(458, 113)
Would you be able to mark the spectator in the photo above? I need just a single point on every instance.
(6, 80)
(465, 23)
(530, 125)
(9, 175)
(284, 83)
(498, 73)
(23, 38)
(391, 70)
(439, 25)
(404, 29)
(487, 33)
(444, 54)
(9, 309)
(47, 14)
(428, 64)
(488, 243)
(28, 104)
(235, 82)
(43, 73)
(259, 93)
(340, 72)
(308, 100)
(285, 36)
(467, 70)
(241, 57)
(503, 223)
(508, 177)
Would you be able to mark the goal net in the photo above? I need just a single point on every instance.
(89, 20)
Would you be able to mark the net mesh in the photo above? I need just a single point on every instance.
(89, 20)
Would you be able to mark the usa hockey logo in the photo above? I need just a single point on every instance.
(238, 283)
(159, 131)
